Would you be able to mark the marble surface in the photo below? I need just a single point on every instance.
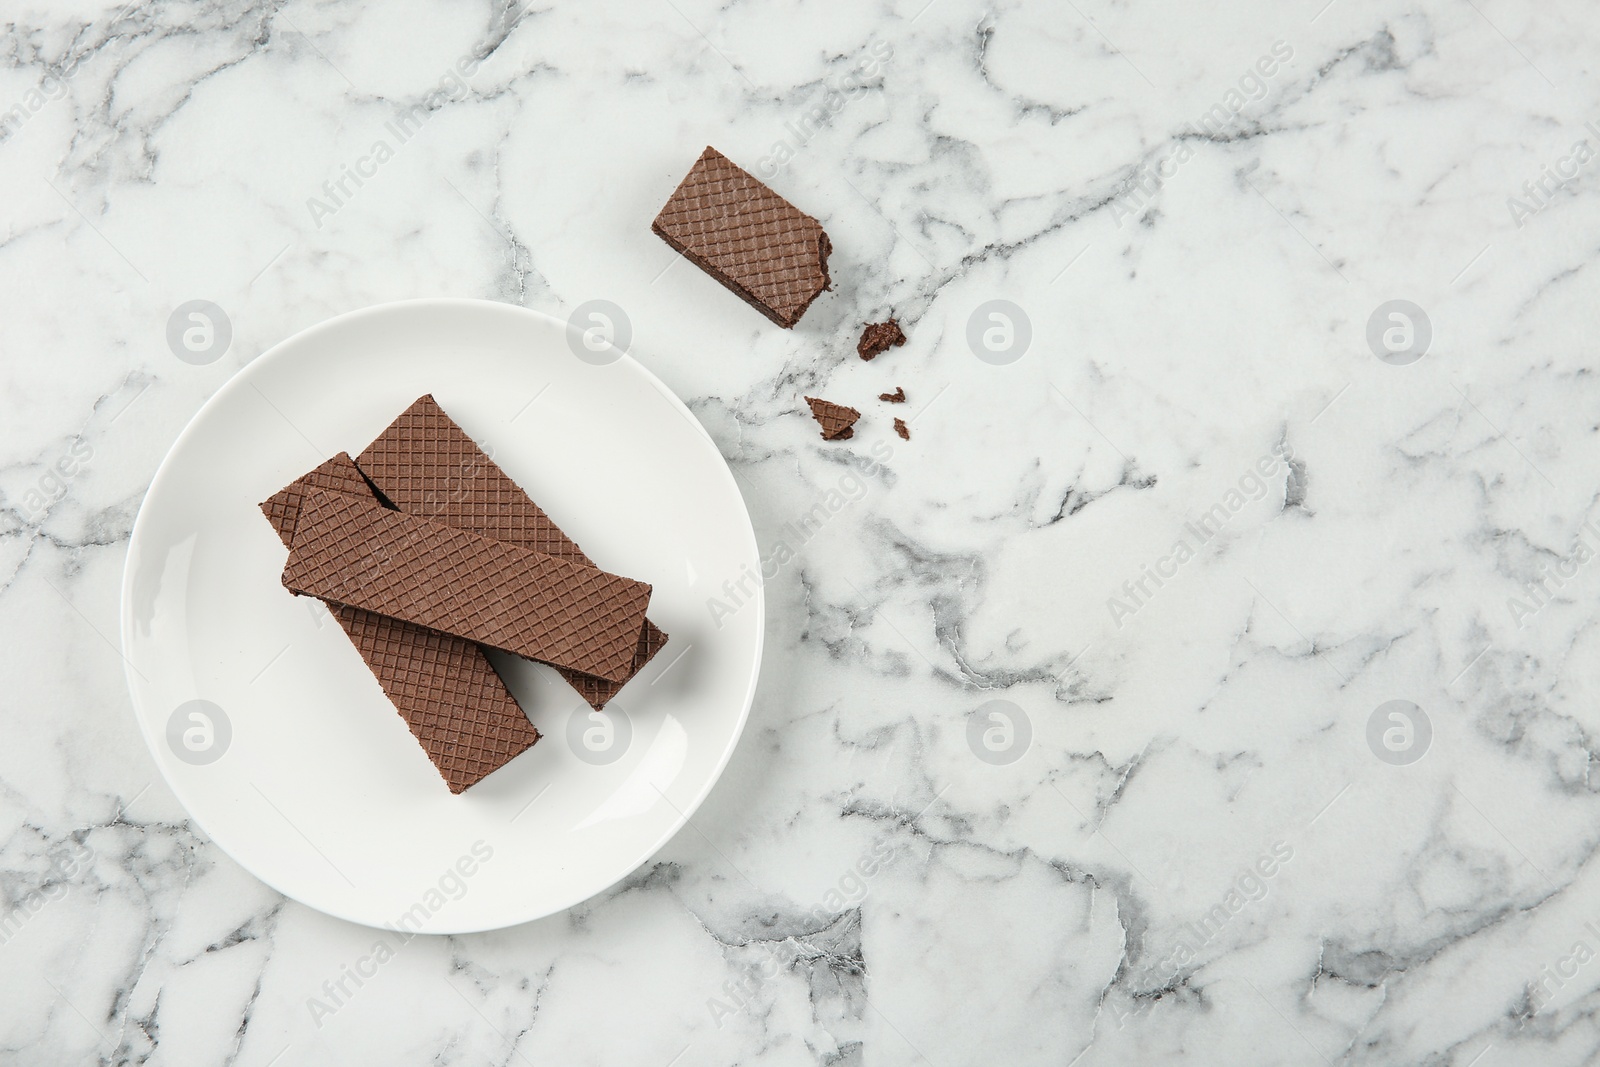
(1197, 829)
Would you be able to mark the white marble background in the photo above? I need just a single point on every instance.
(1040, 910)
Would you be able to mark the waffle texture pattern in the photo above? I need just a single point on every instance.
(444, 687)
(426, 465)
(770, 253)
(837, 421)
(363, 555)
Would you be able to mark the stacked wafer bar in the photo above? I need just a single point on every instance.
(417, 592)
(443, 686)
(426, 465)
(363, 555)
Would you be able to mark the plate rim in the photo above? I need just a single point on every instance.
(682, 814)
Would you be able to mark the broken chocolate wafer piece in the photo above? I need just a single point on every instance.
(445, 689)
(878, 337)
(901, 429)
(426, 465)
(770, 253)
(361, 554)
(836, 420)
(339, 474)
(896, 397)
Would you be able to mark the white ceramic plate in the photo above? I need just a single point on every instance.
(297, 765)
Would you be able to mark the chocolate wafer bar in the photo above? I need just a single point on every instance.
(361, 554)
(447, 691)
(770, 253)
(339, 474)
(837, 421)
(444, 687)
(426, 465)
